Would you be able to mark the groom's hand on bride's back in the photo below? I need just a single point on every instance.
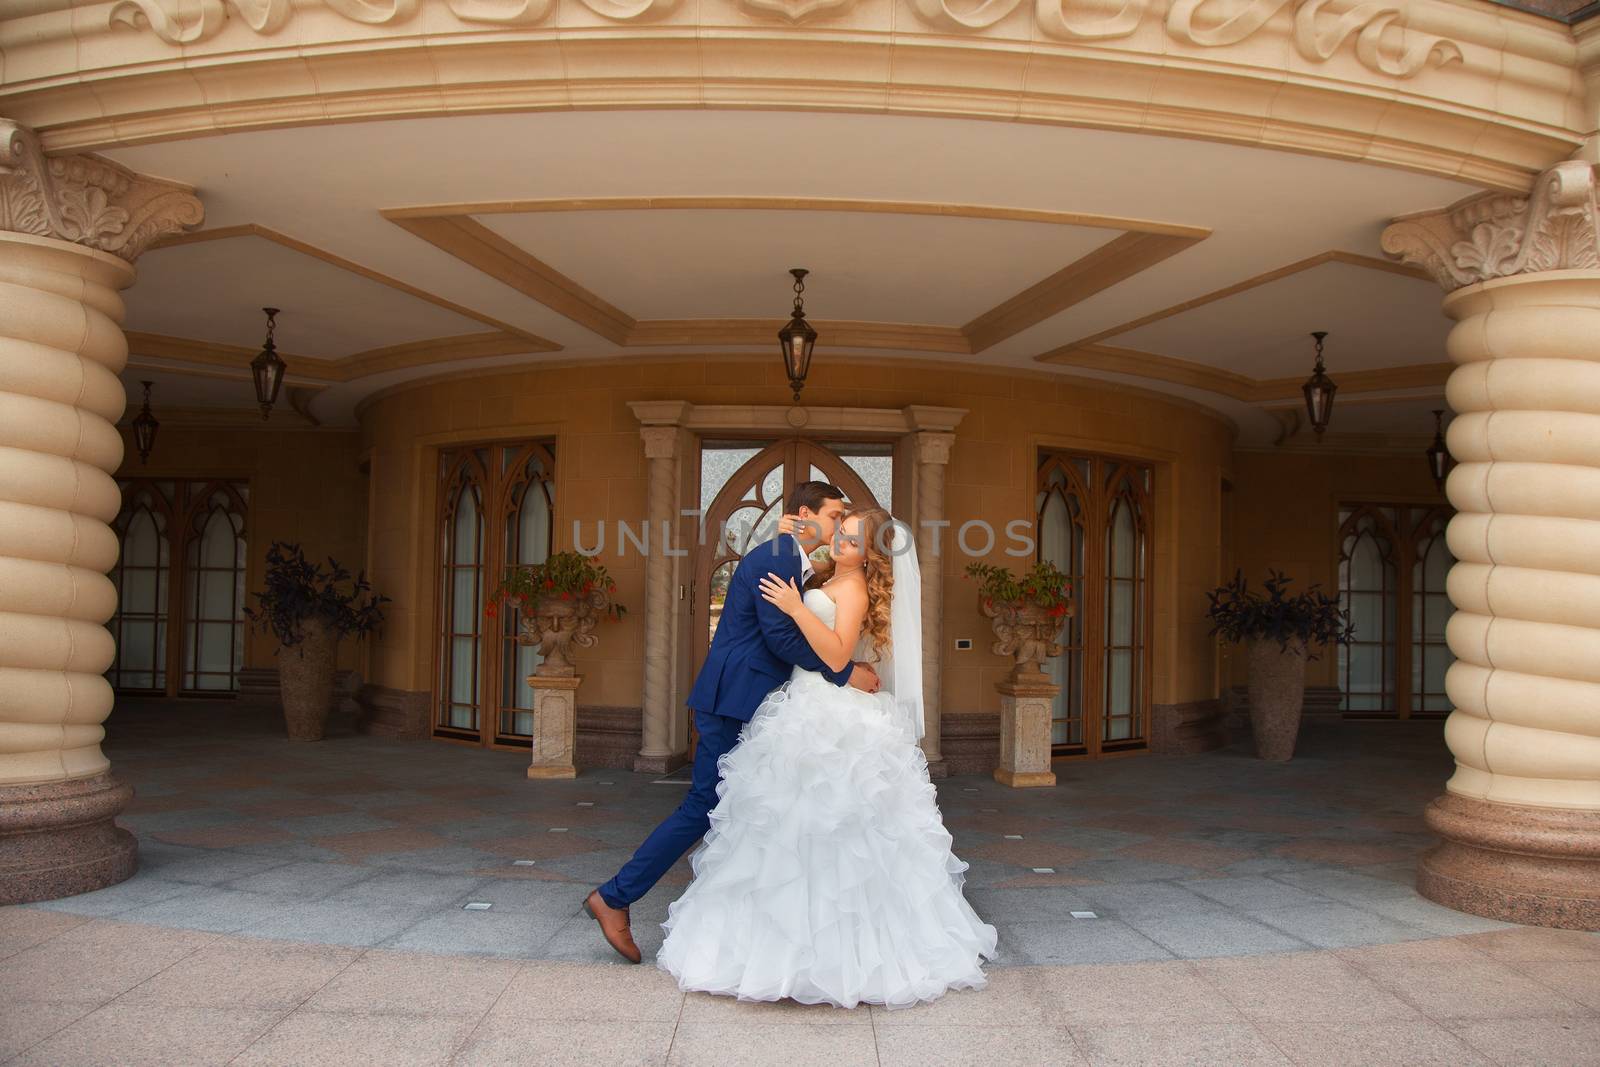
(864, 678)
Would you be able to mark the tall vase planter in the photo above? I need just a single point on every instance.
(309, 608)
(1278, 631)
(305, 681)
(1277, 688)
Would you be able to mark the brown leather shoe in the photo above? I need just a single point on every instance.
(613, 926)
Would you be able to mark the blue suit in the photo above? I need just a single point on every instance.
(755, 648)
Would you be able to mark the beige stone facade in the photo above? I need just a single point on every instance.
(1060, 252)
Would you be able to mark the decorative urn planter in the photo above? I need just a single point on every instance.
(1027, 614)
(305, 680)
(1277, 687)
(1026, 630)
(557, 626)
(561, 601)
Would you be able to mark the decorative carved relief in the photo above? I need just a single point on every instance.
(85, 199)
(1317, 33)
(1498, 235)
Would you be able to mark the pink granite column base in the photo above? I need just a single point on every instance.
(59, 839)
(1536, 866)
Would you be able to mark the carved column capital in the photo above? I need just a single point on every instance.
(933, 446)
(1498, 235)
(660, 442)
(87, 200)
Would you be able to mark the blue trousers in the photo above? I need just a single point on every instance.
(681, 830)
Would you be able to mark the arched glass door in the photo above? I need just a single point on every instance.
(1393, 560)
(1094, 524)
(496, 510)
(743, 489)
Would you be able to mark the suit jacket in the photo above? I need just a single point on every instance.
(756, 645)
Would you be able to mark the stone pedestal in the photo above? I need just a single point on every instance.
(555, 727)
(1520, 818)
(69, 231)
(1025, 708)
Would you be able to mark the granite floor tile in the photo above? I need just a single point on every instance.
(1559, 1042)
(960, 1046)
(1532, 943)
(513, 1042)
(305, 1038)
(117, 899)
(304, 881)
(578, 940)
(243, 973)
(416, 983)
(1303, 987)
(1168, 1044)
(207, 907)
(24, 1023)
(338, 922)
(24, 927)
(1213, 934)
(95, 962)
(1079, 941)
(513, 934)
(739, 1045)
(549, 991)
(1100, 995)
(1577, 979)
(1332, 925)
(1252, 894)
(1013, 997)
(708, 1008)
(1414, 1043)
(134, 1035)
(1486, 990)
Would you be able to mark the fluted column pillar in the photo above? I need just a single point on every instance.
(1520, 818)
(69, 230)
(662, 447)
(933, 542)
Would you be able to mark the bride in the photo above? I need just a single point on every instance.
(827, 874)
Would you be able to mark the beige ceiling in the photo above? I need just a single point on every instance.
(364, 283)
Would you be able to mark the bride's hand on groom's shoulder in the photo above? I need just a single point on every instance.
(782, 594)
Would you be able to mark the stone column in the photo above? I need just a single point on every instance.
(1520, 818)
(69, 231)
(661, 450)
(933, 456)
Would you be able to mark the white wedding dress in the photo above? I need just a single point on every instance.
(827, 875)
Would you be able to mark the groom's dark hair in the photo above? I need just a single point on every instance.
(811, 495)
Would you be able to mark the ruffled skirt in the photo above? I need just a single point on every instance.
(827, 875)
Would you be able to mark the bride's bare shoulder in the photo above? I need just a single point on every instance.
(849, 590)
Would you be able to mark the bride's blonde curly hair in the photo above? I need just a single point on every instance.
(877, 535)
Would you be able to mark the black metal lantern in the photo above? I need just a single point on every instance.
(797, 338)
(1319, 390)
(267, 369)
(144, 427)
(1438, 454)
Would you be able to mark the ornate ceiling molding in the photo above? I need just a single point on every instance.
(1497, 235)
(87, 200)
(1317, 33)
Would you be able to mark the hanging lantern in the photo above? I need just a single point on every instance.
(267, 369)
(1438, 454)
(1319, 390)
(797, 338)
(144, 427)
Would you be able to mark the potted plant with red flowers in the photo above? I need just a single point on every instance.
(1027, 613)
(309, 607)
(562, 600)
(1278, 630)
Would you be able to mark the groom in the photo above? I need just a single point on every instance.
(755, 648)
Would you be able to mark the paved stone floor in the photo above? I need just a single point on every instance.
(304, 904)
